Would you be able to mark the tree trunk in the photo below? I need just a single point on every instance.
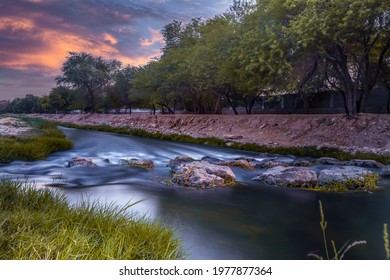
(92, 97)
(232, 105)
(217, 108)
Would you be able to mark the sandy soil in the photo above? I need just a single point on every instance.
(12, 127)
(366, 132)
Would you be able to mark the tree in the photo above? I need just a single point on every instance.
(122, 87)
(28, 105)
(352, 35)
(88, 73)
(61, 99)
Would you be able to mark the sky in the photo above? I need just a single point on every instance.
(36, 35)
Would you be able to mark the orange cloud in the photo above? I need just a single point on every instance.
(109, 38)
(156, 38)
(16, 24)
(56, 45)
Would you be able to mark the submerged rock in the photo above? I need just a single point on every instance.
(342, 174)
(203, 175)
(177, 161)
(242, 163)
(301, 162)
(328, 161)
(211, 159)
(365, 163)
(81, 162)
(269, 163)
(288, 176)
(143, 163)
(385, 172)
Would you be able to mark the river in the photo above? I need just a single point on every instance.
(248, 221)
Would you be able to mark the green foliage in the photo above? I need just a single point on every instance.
(61, 99)
(39, 224)
(29, 104)
(367, 183)
(88, 73)
(46, 139)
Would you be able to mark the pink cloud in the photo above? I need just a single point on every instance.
(155, 38)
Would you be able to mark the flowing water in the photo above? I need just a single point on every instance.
(248, 221)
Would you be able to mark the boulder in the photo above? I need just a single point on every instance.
(81, 162)
(288, 176)
(269, 163)
(242, 163)
(143, 163)
(177, 161)
(365, 163)
(342, 174)
(328, 161)
(203, 175)
(385, 172)
(301, 162)
(211, 159)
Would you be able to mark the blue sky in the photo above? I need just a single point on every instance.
(36, 35)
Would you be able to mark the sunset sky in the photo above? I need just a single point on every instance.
(36, 35)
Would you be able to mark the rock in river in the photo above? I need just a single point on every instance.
(342, 174)
(177, 161)
(328, 161)
(143, 163)
(365, 163)
(269, 163)
(288, 176)
(202, 175)
(385, 171)
(81, 162)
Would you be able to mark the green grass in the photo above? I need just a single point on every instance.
(367, 183)
(306, 151)
(40, 224)
(44, 139)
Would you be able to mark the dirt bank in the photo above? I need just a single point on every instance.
(366, 132)
(12, 127)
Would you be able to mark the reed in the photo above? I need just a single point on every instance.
(338, 254)
(386, 241)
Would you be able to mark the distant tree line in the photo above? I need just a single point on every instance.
(256, 49)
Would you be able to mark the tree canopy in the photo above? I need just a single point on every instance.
(88, 73)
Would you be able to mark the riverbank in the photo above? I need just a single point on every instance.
(29, 139)
(39, 224)
(367, 133)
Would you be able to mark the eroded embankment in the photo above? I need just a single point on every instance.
(366, 132)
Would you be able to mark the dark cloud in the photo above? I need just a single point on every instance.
(17, 83)
(35, 35)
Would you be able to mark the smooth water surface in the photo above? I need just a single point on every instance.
(248, 221)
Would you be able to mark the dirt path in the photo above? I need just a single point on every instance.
(366, 132)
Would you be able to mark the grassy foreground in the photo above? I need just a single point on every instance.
(306, 151)
(45, 138)
(40, 224)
